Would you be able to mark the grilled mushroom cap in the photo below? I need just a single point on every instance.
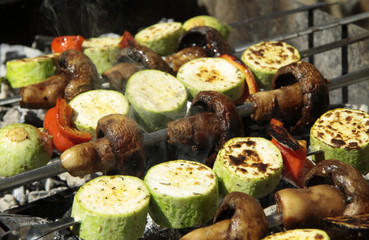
(229, 118)
(313, 87)
(248, 220)
(206, 37)
(126, 141)
(143, 55)
(84, 76)
(345, 177)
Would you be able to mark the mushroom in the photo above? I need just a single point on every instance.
(84, 76)
(299, 96)
(346, 178)
(305, 207)
(206, 37)
(220, 122)
(75, 74)
(143, 55)
(313, 86)
(185, 55)
(119, 148)
(240, 217)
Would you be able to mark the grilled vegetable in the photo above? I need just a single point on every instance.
(62, 43)
(293, 152)
(102, 51)
(92, 105)
(212, 74)
(210, 21)
(265, 58)
(299, 234)
(161, 37)
(111, 207)
(347, 227)
(183, 193)
(58, 122)
(157, 98)
(250, 164)
(23, 147)
(27, 71)
(239, 216)
(342, 134)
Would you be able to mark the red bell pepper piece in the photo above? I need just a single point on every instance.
(62, 43)
(251, 86)
(293, 153)
(127, 40)
(58, 123)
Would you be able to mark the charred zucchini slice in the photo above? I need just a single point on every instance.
(27, 71)
(22, 148)
(212, 74)
(342, 134)
(111, 207)
(102, 51)
(299, 234)
(161, 37)
(265, 58)
(183, 193)
(210, 21)
(251, 165)
(157, 98)
(92, 105)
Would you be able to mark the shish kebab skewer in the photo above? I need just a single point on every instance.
(55, 167)
(236, 51)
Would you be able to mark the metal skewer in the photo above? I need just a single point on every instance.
(54, 167)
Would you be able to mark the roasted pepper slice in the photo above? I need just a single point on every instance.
(58, 122)
(62, 43)
(126, 40)
(252, 86)
(293, 152)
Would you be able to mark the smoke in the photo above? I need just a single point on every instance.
(89, 18)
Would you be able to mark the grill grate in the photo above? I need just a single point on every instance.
(333, 62)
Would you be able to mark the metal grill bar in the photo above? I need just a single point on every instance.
(284, 37)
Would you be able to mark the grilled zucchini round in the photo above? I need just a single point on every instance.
(111, 207)
(183, 193)
(265, 58)
(342, 134)
(251, 165)
(299, 234)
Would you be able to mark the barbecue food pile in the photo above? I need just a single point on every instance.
(210, 135)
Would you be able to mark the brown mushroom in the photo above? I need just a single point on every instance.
(206, 37)
(119, 148)
(239, 217)
(84, 76)
(176, 60)
(346, 178)
(143, 55)
(213, 129)
(314, 90)
(304, 208)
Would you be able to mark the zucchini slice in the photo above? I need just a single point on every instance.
(27, 71)
(342, 134)
(92, 105)
(183, 193)
(252, 165)
(111, 207)
(265, 58)
(102, 51)
(22, 148)
(162, 38)
(210, 21)
(299, 234)
(212, 74)
(157, 98)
